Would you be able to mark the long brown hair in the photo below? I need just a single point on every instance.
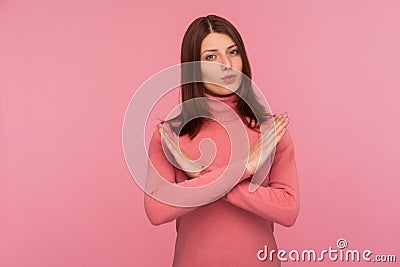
(190, 51)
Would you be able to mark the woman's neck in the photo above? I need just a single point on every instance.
(217, 95)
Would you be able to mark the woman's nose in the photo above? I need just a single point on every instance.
(226, 63)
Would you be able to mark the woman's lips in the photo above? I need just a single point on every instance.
(228, 79)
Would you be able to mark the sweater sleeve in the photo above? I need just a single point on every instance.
(279, 200)
(159, 168)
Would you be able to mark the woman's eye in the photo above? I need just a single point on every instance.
(208, 57)
(234, 52)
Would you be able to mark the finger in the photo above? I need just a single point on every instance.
(271, 130)
(268, 140)
(168, 143)
(179, 153)
(264, 133)
(281, 134)
(267, 137)
(272, 127)
(261, 137)
(184, 160)
(281, 131)
(169, 138)
(262, 154)
(282, 125)
(171, 145)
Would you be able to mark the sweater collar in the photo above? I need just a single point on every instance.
(223, 108)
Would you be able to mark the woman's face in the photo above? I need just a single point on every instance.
(220, 48)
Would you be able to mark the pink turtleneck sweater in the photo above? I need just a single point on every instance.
(232, 228)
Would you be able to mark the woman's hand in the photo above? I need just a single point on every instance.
(266, 143)
(184, 160)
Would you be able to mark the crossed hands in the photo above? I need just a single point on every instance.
(255, 158)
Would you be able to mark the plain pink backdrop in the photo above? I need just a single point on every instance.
(69, 68)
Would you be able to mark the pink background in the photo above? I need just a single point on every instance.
(69, 68)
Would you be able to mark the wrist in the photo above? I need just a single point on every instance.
(248, 167)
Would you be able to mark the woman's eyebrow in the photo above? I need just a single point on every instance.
(214, 50)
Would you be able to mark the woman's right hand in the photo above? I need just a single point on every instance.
(266, 143)
(185, 161)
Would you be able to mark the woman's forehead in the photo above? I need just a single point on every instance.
(216, 41)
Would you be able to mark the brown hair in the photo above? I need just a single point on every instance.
(190, 51)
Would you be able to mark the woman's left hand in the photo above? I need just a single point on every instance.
(184, 160)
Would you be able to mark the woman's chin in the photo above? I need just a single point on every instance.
(221, 91)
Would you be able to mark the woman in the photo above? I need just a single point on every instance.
(230, 229)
